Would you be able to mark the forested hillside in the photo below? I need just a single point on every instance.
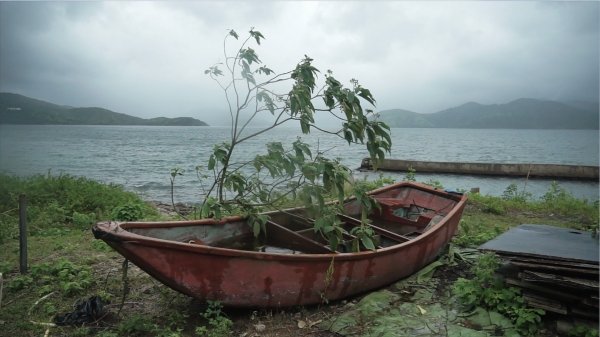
(19, 109)
(524, 113)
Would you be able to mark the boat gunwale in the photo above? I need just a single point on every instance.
(120, 235)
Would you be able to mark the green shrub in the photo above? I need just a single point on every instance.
(493, 206)
(64, 276)
(410, 175)
(433, 183)
(20, 282)
(83, 221)
(377, 183)
(101, 246)
(475, 234)
(512, 194)
(5, 267)
(61, 202)
(488, 291)
(219, 324)
(128, 212)
(135, 324)
(582, 331)
(173, 327)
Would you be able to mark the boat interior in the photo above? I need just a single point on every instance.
(406, 213)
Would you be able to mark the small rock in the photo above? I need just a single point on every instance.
(344, 301)
(301, 324)
(244, 334)
(298, 316)
(260, 327)
(1, 322)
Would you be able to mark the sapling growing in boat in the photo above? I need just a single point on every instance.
(305, 176)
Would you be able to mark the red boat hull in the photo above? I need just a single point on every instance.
(240, 278)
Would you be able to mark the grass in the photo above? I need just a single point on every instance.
(58, 203)
(67, 263)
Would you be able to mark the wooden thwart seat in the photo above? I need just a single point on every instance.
(378, 230)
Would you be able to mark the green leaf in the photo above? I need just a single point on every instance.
(368, 243)
(233, 33)
(351, 97)
(328, 229)
(319, 224)
(211, 162)
(355, 246)
(256, 228)
(257, 36)
(333, 242)
(366, 94)
(205, 209)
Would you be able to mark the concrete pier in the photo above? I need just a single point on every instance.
(500, 169)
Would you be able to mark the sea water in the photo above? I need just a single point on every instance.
(141, 157)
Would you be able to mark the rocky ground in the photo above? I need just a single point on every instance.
(169, 210)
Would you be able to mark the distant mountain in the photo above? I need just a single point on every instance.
(591, 106)
(524, 113)
(19, 109)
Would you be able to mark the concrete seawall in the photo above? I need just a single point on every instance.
(500, 169)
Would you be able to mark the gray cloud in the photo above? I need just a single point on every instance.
(148, 58)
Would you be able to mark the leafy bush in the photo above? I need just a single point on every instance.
(378, 183)
(20, 282)
(219, 324)
(487, 291)
(582, 331)
(83, 221)
(557, 201)
(173, 327)
(129, 212)
(296, 173)
(474, 234)
(512, 194)
(410, 176)
(134, 325)
(63, 276)
(493, 206)
(101, 246)
(5, 267)
(61, 202)
(433, 183)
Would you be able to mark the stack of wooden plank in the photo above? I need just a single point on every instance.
(557, 268)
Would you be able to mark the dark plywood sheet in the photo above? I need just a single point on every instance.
(557, 269)
(567, 281)
(549, 261)
(546, 242)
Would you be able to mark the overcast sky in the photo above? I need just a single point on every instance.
(147, 59)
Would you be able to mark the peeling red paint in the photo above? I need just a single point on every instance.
(246, 278)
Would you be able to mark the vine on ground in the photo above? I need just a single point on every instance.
(488, 291)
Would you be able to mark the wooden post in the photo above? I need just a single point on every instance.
(1, 283)
(23, 232)
(526, 179)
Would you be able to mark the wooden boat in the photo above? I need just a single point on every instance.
(222, 260)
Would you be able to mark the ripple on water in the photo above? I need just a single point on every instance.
(141, 158)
